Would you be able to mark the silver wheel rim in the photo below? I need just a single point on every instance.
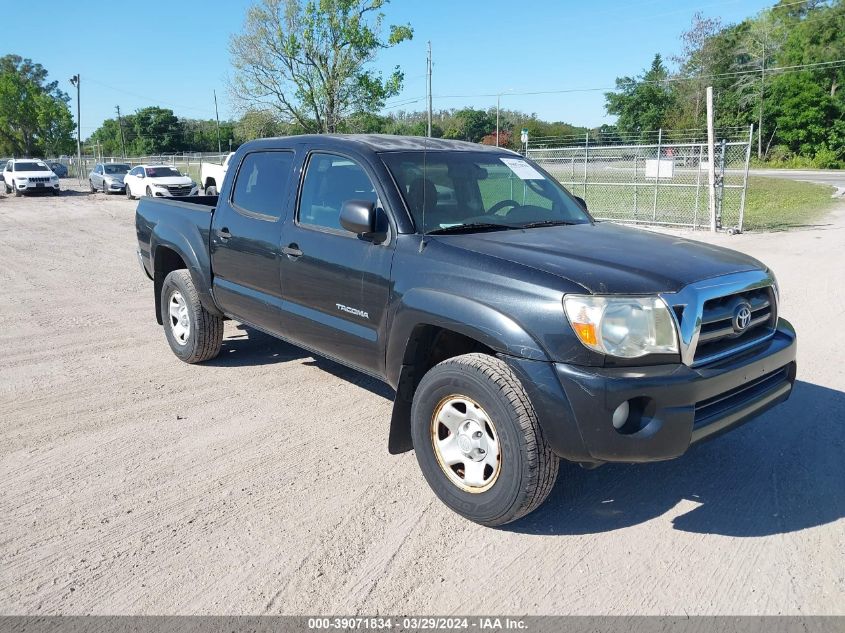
(465, 444)
(180, 322)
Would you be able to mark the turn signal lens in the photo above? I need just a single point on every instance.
(586, 332)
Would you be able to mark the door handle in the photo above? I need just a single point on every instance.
(292, 251)
(224, 234)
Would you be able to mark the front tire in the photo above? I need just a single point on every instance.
(91, 186)
(464, 410)
(128, 193)
(194, 334)
(211, 190)
(149, 192)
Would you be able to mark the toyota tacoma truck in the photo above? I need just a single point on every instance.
(514, 328)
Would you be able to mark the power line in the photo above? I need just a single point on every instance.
(149, 98)
(832, 64)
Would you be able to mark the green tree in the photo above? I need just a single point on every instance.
(470, 125)
(310, 61)
(642, 103)
(154, 131)
(34, 115)
(698, 63)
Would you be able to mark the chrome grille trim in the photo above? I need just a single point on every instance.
(688, 308)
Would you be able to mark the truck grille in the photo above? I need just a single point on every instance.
(721, 332)
(39, 179)
(717, 406)
(179, 190)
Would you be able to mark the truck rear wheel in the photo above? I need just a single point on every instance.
(211, 190)
(194, 334)
(478, 441)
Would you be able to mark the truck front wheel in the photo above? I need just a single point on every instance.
(194, 334)
(478, 441)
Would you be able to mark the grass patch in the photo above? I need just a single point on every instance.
(777, 204)
(772, 204)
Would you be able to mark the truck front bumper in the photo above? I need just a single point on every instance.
(670, 406)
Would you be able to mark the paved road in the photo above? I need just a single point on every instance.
(260, 482)
(825, 177)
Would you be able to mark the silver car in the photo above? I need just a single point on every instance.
(108, 177)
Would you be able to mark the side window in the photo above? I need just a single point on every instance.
(261, 185)
(330, 181)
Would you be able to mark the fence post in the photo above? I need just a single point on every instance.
(745, 178)
(586, 154)
(720, 194)
(697, 188)
(636, 188)
(657, 178)
(711, 159)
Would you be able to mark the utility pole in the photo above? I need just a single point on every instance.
(498, 98)
(429, 88)
(120, 125)
(217, 115)
(75, 81)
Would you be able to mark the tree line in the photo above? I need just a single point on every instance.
(306, 67)
(781, 70)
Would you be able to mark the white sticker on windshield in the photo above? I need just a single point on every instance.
(522, 169)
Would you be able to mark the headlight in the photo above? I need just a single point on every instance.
(155, 184)
(627, 327)
(54, 177)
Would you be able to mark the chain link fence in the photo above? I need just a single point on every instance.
(657, 183)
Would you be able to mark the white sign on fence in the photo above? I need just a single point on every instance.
(662, 168)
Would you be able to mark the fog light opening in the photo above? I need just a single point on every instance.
(620, 415)
(633, 415)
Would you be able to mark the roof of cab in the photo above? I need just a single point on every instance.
(392, 143)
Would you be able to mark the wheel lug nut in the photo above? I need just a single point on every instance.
(477, 434)
(481, 451)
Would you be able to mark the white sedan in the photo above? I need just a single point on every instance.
(163, 181)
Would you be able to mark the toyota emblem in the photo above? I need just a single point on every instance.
(742, 317)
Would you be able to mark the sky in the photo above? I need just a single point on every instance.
(176, 54)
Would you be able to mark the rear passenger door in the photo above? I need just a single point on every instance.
(335, 284)
(245, 237)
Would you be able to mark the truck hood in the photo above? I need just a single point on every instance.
(32, 174)
(608, 258)
(170, 180)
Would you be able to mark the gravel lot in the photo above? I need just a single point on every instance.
(260, 483)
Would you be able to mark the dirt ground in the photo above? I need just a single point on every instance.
(260, 483)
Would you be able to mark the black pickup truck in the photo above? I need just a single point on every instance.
(514, 328)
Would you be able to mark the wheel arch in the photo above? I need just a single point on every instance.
(171, 251)
(431, 326)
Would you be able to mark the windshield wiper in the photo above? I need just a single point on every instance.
(534, 225)
(472, 226)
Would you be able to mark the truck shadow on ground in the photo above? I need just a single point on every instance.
(250, 347)
(782, 472)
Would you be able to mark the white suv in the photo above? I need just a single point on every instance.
(28, 175)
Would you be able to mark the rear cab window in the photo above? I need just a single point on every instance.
(261, 185)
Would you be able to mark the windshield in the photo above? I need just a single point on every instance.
(116, 168)
(162, 172)
(446, 190)
(31, 167)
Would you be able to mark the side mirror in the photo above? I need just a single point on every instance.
(358, 216)
(581, 201)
